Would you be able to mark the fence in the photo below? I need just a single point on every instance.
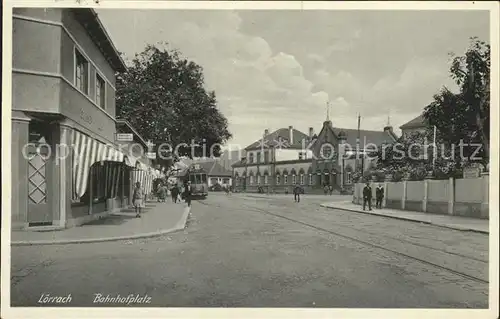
(459, 197)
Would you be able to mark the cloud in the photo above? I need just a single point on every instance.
(269, 71)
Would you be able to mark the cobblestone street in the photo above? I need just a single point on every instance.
(239, 251)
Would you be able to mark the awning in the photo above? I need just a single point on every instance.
(130, 160)
(88, 151)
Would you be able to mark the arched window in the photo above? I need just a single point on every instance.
(285, 177)
(310, 179)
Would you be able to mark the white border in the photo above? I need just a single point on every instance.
(246, 312)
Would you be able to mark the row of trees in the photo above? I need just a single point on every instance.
(162, 95)
(462, 121)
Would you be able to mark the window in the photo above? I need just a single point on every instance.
(266, 157)
(285, 180)
(266, 179)
(100, 91)
(294, 179)
(203, 178)
(250, 158)
(277, 180)
(348, 178)
(81, 72)
(301, 156)
(251, 180)
(310, 179)
(258, 157)
(225, 181)
(302, 179)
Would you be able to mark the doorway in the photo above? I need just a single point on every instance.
(39, 154)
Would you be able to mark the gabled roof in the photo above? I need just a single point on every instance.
(365, 136)
(218, 170)
(417, 122)
(89, 19)
(281, 134)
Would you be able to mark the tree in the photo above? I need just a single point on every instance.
(163, 96)
(465, 115)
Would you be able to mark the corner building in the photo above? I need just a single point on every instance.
(66, 167)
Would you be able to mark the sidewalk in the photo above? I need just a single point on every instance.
(157, 219)
(453, 222)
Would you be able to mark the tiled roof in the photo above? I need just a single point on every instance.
(284, 135)
(218, 170)
(365, 136)
(419, 121)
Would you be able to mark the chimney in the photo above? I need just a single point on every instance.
(266, 132)
(290, 129)
(311, 132)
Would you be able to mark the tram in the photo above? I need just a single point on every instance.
(199, 181)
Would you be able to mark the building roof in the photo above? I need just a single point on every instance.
(417, 122)
(281, 134)
(89, 19)
(365, 136)
(121, 123)
(213, 168)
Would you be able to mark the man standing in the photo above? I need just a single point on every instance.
(379, 193)
(367, 196)
(138, 199)
(296, 193)
(187, 193)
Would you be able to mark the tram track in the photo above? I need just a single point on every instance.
(370, 244)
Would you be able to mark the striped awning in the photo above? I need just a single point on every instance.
(88, 151)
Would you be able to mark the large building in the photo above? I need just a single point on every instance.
(67, 167)
(417, 124)
(287, 157)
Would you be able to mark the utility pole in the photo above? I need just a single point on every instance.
(357, 144)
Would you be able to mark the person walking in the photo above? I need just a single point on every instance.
(296, 193)
(138, 199)
(330, 189)
(174, 192)
(367, 196)
(162, 193)
(325, 189)
(379, 193)
(187, 193)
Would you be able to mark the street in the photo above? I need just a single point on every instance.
(243, 251)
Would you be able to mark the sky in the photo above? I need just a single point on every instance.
(278, 68)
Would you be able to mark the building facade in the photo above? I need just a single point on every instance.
(288, 157)
(66, 166)
(417, 124)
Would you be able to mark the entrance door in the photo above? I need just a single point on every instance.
(39, 210)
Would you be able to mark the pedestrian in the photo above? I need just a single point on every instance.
(138, 199)
(180, 193)
(330, 188)
(296, 193)
(325, 189)
(367, 196)
(162, 193)
(379, 193)
(174, 192)
(187, 193)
